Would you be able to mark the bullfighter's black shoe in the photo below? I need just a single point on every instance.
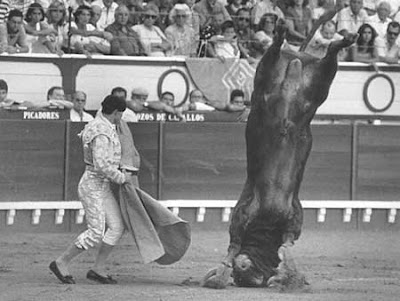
(92, 275)
(68, 279)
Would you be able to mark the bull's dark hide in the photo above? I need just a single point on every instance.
(261, 241)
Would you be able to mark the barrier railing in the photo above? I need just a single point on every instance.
(201, 207)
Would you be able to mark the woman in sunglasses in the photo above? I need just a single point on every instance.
(151, 36)
(265, 34)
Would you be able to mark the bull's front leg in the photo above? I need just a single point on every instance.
(219, 276)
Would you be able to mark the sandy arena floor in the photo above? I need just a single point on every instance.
(339, 266)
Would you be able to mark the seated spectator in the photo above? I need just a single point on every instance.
(207, 9)
(388, 49)
(364, 49)
(56, 18)
(194, 19)
(163, 20)
(125, 40)
(108, 8)
(135, 13)
(233, 7)
(180, 35)
(4, 101)
(265, 34)
(95, 15)
(323, 37)
(225, 46)
(12, 34)
(56, 98)
(154, 41)
(85, 37)
(236, 102)
(4, 10)
(40, 35)
(350, 18)
(245, 34)
(128, 115)
(21, 5)
(77, 113)
(381, 20)
(299, 21)
(263, 7)
(321, 8)
(138, 101)
(197, 102)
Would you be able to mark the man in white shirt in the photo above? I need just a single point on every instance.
(388, 49)
(350, 19)
(77, 113)
(108, 8)
(380, 20)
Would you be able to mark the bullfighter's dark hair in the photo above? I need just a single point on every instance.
(3, 85)
(15, 13)
(112, 103)
(31, 9)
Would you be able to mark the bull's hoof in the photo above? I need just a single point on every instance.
(217, 278)
(288, 282)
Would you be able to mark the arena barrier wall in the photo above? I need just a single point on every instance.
(358, 89)
(198, 170)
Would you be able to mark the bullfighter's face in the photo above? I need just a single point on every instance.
(245, 273)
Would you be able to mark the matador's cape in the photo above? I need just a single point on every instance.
(160, 235)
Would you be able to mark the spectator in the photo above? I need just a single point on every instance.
(77, 113)
(180, 35)
(265, 34)
(225, 46)
(194, 19)
(128, 115)
(4, 10)
(95, 15)
(12, 34)
(388, 49)
(4, 101)
(263, 7)
(299, 21)
(56, 18)
(349, 19)
(364, 49)
(21, 5)
(56, 98)
(236, 102)
(381, 20)
(197, 102)
(207, 9)
(108, 8)
(164, 20)
(245, 34)
(40, 35)
(125, 40)
(233, 7)
(319, 44)
(138, 101)
(321, 8)
(152, 38)
(85, 37)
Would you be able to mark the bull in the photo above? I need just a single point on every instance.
(267, 219)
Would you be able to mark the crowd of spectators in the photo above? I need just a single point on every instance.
(186, 28)
(137, 103)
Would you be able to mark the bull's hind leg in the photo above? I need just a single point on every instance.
(219, 276)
